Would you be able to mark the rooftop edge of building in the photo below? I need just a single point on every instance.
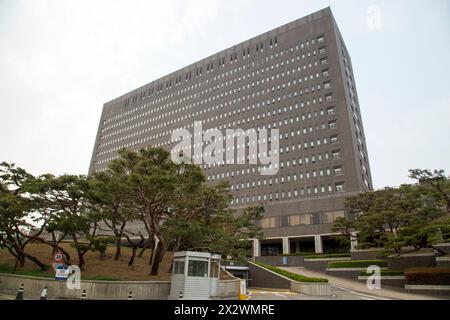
(283, 28)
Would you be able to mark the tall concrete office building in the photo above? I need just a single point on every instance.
(297, 78)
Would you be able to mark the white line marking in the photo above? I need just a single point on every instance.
(361, 295)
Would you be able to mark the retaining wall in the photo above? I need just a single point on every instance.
(263, 278)
(33, 286)
(277, 261)
(321, 264)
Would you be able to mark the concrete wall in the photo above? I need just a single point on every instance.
(263, 278)
(277, 261)
(428, 289)
(388, 281)
(143, 290)
(443, 261)
(321, 264)
(412, 261)
(351, 273)
(444, 247)
(229, 289)
(311, 288)
(370, 254)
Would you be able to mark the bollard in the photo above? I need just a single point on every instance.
(20, 293)
(130, 295)
(44, 294)
(83, 295)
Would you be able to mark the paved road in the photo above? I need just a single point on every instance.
(338, 293)
(355, 288)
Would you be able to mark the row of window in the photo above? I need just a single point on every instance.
(301, 219)
(222, 82)
(250, 86)
(167, 85)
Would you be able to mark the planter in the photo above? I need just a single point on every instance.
(352, 273)
(443, 261)
(264, 278)
(412, 261)
(390, 281)
(321, 264)
(369, 254)
(428, 289)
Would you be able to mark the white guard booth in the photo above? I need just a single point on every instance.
(195, 276)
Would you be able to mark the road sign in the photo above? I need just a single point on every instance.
(57, 265)
(58, 257)
(62, 272)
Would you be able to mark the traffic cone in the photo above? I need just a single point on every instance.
(44, 294)
(20, 293)
(130, 295)
(83, 295)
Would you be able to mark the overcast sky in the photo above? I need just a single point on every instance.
(61, 60)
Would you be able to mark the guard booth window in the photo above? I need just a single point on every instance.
(197, 268)
(178, 267)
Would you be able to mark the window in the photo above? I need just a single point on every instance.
(339, 187)
(332, 125)
(330, 111)
(268, 223)
(335, 154)
(302, 219)
(178, 267)
(333, 139)
(320, 39)
(323, 61)
(197, 268)
(337, 171)
(327, 85)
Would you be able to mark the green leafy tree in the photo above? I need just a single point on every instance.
(19, 222)
(399, 220)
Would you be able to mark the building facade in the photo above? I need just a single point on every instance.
(297, 78)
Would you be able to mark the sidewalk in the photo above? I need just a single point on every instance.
(360, 286)
(6, 297)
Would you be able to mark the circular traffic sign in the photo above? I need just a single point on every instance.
(58, 257)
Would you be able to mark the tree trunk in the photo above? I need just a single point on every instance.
(36, 261)
(118, 249)
(147, 243)
(177, 245)
(158, 257)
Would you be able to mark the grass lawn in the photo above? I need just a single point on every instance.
(95, 268)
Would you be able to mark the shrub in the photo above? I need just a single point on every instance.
(325, 256)
(290, 275)
(356, 264)
(428, 276)
(384, 273)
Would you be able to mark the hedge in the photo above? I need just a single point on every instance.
(326, 256)
(290, 275)
(356, 264)
(428, 276)
(384, 273)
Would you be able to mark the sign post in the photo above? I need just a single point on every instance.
(60, 268)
